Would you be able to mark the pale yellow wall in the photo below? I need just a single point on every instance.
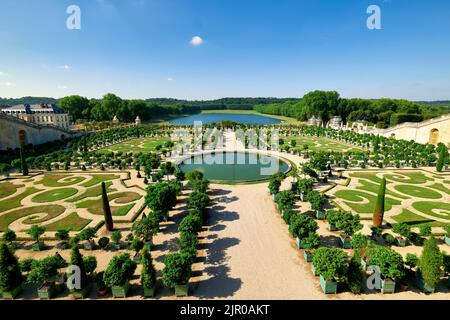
(420, 132)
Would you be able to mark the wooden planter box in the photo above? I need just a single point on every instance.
(299, 243)
(364, 264)
(328, 286)
(447, 240)
(46, 292)
(82, 293)
(182, 290)
(294, 187)
(303, 197)
(400, 241)
(313, 269)
(39, 246)
(149, 292)
(90, 245)
(10, 295)
(387, 286)
(425, 288)
(345, 242)
(321, 215)
(331, 227)
(120, 291)
(308, 256)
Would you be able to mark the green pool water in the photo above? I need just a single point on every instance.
(235, 166)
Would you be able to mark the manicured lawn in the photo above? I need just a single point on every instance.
(417, 192)
(99, 178)
(374, 187)
(93, 192)
(428, 207)
(96, 206)
(415, 220)
(7, 188)
(72, 222)
(360, 196)
(53, 180)
(14, 202)
(440, 187)
(415, 177)
(54, 195)
(51, 212)
(321, 144)
(147, 144)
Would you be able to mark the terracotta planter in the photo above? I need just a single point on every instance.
(101, 292)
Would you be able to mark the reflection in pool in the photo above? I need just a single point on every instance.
(235, 166)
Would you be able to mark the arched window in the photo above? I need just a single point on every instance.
(434, 136)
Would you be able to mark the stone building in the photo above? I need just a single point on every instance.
(315, 121)
(335, 122)
(41, 114)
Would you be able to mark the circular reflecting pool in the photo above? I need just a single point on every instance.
(235, 166)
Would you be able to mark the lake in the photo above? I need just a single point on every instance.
(208, 118)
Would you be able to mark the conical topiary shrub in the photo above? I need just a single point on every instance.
(107, 209)
(378, 213)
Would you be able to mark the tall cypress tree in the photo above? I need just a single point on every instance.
(23, 162)
(76, 259)
(430, 262)
(107, 209)
(378, 213)
(10, 275)
(442, 157)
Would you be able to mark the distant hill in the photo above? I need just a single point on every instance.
(26, 100)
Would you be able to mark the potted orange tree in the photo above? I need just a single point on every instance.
(390, 264)
(118, 274)
(332, 266)
(177, 272)
(301, 225)
(44, 273)
(148, 274)
(317, 203)
(348, 224)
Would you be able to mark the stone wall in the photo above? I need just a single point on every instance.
(430, 131)
(13, 131)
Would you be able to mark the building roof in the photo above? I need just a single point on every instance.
(34, 108)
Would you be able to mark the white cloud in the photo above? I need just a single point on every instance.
(196, 41)
(2, 73)
(169, 79)
(62, 87)
(7, 84)
(65, 67)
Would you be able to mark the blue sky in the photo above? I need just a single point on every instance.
(283, 48)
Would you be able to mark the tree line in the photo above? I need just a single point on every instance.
(380, 112)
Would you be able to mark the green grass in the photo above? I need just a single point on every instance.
(427, 207)
(99, 178)
(321, 144)
(418, 192)
(359, 196)
(414, 177)
(373, 187)
(7, 188)
(54, 195)
(51, 212)
(96, 206)
(415, 220)
(137, 145)
(72, 222)
(14, 202)
(93, 192)
(53, 180)
(440, 187)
